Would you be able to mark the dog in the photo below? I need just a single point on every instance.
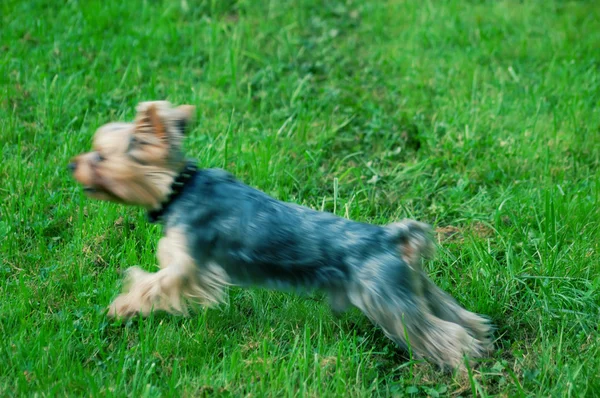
(220, 232)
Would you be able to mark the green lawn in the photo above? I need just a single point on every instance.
(479, 117)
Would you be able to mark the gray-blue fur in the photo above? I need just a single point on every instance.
(258, 240)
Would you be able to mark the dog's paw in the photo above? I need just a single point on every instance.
(135, 299)
(122, 307)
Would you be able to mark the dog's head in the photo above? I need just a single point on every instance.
(136, 162)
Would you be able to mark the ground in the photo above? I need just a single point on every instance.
(479, 117)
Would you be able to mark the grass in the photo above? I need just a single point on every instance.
(479, 117)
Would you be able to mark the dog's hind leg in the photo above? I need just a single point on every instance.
(392, 294)
(413, 241)
(445, 307)
(406, 320)
(178, 282)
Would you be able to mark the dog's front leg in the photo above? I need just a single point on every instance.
(170, 289)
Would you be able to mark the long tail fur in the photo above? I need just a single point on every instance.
(411, 309)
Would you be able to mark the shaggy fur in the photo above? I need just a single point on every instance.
(219, 232)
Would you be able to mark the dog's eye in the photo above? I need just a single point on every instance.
(132, 142)
(99, 157)
(135, 141)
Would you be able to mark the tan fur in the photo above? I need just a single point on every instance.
(414, 248)
(445, 307)
(443, 342)
(437, 325)
(135, 163)
(159, 128)
(418, 247)
(179, 282)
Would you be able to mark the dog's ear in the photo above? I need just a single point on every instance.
(184, 116)
(150, 119)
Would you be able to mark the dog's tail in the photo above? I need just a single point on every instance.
(414, 241)
(394, 292)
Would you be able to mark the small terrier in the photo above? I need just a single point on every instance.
(220, 232)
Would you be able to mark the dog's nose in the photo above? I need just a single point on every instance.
(72, 166)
